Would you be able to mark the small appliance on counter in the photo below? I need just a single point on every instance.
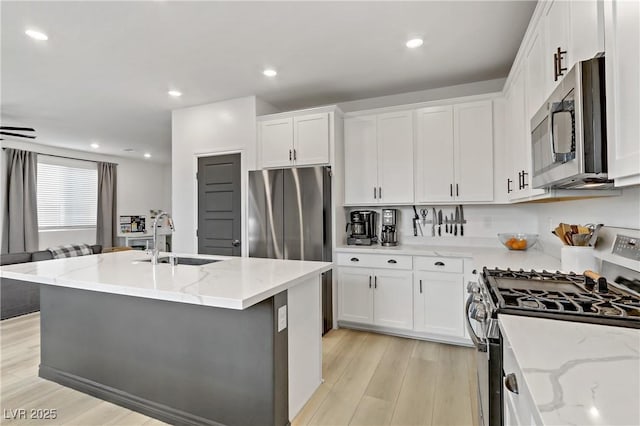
(363, 228)
(389, 236)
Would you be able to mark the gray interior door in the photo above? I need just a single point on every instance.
(219, 219)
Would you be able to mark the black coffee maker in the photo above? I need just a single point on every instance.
(363, 228)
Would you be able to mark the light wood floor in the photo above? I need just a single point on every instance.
(370, 379)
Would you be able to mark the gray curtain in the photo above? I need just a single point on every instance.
(106, 231)
(20, 216)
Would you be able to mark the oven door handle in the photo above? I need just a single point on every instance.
(482, 347)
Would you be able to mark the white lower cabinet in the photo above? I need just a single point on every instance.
(375, 297)
(393, 299)
(420, 296)
(438, 303)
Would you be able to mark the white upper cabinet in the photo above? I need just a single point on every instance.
(395, 158)
(361, 160)
(473, 151)
(587, 29)
(536, 73)
(454, 146)
(622, 24)
(277, 142)
(379, 159)
(434, 154)
(558, 51)
(298, 139)
(311, 139)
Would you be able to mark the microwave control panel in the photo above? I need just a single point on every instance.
(626, 246)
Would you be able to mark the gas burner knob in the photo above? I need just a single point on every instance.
(473, 287)
(479, 312)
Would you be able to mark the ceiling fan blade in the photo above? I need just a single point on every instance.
(17, 135)
(22, 129)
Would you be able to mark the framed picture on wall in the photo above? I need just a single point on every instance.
(132, 224)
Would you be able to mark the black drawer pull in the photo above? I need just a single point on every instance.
(439, 263)
(420, 286)
(392, 261)
(355, 259)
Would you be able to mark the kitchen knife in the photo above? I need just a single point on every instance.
(446, 224)
(440, 223)
(461, 221)
(455, 230)
(451, 224)
(433, 223)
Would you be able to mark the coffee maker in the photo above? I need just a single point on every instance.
(389, 235)
(363, 228)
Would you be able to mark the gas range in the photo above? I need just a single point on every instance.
(557, 295)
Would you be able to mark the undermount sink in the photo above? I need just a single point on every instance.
(196, 261)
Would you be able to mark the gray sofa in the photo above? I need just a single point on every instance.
(20, 297)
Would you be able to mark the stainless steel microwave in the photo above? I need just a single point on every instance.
(569, 133)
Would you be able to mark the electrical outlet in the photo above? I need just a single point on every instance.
(282, 318)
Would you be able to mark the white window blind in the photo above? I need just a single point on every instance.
(67, 193)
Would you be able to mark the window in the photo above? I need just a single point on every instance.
(67, 193)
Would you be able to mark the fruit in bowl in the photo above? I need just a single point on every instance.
(516, 241)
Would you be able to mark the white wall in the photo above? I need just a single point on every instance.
(142, 185)
(217, 128)
(483, 223)
(449, 92)
(620, 211)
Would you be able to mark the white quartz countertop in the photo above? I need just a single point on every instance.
(482, 256)
(234, 282)
(577, 373)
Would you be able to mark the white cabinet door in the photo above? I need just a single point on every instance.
(361, 161)
(473, 151)
(434, 155)
(622, 26)
(536, 73)
(395, 158)
(311, 139)
(276, 137)
(439, 303)
(393, 299)
(355, 295)
(558, 26)
(587, 30)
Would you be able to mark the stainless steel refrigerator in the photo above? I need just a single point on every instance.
(290, 218)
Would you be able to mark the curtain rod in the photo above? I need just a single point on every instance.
(63, 156)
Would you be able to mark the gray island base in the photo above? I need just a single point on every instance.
(181, 363)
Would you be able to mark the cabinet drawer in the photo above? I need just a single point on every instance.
(439, 264)
(368, 260)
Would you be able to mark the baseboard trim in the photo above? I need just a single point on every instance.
(124, 399)
(407, 333)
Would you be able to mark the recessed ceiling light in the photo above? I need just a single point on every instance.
(147, 155)
(270, 72)
(174, 93)
(414, 42)
(95, 145)
(36, 35)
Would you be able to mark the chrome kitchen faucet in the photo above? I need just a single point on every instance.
(156, 251)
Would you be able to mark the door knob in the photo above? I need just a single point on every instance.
(235, 243)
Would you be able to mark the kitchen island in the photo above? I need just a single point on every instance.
(234, 342)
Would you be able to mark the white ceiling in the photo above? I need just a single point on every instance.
(104, 72)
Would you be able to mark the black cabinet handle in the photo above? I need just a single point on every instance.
(369, 281)
(439, 263)
(374, 193)
(457, 192)
(289, 155)
(511, 383)
(392, 261)
(375, 282)
(294, 155)
(451, 189)
(420, 286)
(509, 182)
(524, 179)
(355, 259)
(380, 192)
